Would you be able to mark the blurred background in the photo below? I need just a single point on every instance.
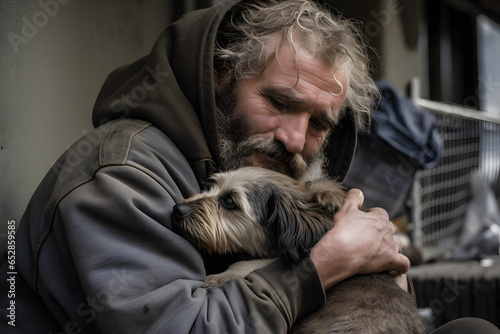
(441, 54)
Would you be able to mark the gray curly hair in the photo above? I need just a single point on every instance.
(244, 45)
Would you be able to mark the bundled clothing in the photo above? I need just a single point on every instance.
(402, 140)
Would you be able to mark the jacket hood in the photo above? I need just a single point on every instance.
(173, 88)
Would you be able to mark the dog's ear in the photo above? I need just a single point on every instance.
(297, 223)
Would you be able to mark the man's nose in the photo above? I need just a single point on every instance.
(293, 134)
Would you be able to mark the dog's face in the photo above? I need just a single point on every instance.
(257, 212)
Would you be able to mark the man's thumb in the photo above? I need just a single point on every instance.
(354, 198)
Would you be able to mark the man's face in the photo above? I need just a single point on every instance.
(280, 123)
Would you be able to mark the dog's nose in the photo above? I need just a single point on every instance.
(181, 210)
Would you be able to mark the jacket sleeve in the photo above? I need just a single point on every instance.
(140, 277)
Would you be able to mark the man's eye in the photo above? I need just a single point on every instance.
(228, 202)
(318, 124)
(278, 104)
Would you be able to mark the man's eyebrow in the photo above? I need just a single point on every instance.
(283, 93)
(289, 94)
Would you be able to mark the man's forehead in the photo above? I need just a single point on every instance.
(295, 69)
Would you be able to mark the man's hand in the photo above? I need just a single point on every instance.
(359, 243)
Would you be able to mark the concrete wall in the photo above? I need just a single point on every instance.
(55, 55)
(399, 49)
(390, 27)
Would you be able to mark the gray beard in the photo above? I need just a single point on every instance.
(235, 149)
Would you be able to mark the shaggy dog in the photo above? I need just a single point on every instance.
(264, 215)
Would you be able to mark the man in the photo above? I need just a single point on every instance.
(95, 250)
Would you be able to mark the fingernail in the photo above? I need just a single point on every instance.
(361, 194)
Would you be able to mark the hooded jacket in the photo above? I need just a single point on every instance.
(95, 252)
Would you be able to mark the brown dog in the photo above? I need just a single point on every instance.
(265, 214)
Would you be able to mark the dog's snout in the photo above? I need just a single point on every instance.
(181, 210)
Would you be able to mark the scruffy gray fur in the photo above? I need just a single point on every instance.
(265, 214)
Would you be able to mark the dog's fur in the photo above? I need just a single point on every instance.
(264, 215)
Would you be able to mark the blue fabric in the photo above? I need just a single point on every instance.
(402, 140)
(406, 127)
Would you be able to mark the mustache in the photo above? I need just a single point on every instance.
(292, 164)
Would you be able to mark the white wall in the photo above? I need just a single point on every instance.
(400, 62)
(395, 58)
(54, 57)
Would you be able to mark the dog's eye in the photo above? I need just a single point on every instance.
(228, 202)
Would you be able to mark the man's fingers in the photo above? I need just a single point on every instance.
(402, 264)
(354, 198)
(381, 213)
(402, 281)
(399, 244)
(381, 247)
